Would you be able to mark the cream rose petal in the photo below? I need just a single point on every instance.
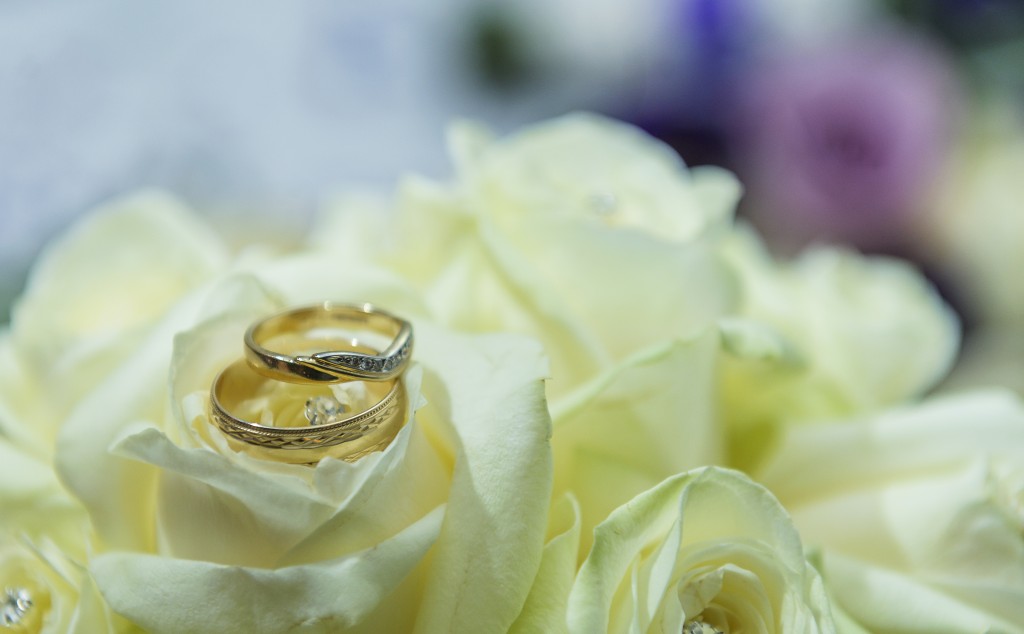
(24, 416)
(119, 269)
(589, 204)
(503, 298)
(888, 602)
(907, 325)
(641, 421)
(34, 503)
(624, 290)
(322, 597)
(23, 477)
(587, 164)
(92, 614)
(212, 511)
(117, 491)
(309, 278)
(915, 512)
(829, 335)
(491, 389)
(845, 334)
(406, 482)
(905, 442)
(546, 606)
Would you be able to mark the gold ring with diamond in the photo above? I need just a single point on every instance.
(326, 432)
(264, 338)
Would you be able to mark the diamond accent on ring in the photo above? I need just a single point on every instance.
(365, 363)
(15, 605)
(700, 627)
(323, 410)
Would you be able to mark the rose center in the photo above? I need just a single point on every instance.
(17, 603)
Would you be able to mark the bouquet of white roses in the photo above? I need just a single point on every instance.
(583, 400)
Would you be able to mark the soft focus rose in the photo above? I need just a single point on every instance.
(919, 513)
(44, 592)
(708, 546)
(842, 142)
(441, 532)
(830, 334)
(978, 222)
(597, 240)
(43, 531)
(74, 323)
(42, 548)
(975, 235)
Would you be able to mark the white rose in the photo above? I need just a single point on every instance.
(43, 531)
(42, 592)
(919, 513)
(442, 531)
(707, 550)
(829, 335)
(594, 238)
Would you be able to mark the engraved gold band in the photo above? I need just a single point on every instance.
(331, 366)
(347, 439)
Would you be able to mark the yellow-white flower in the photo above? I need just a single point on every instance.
(829, 335)
(919, 513)
(95, 291)
(443, 531)
(43, 531)
(42, 591)
(704, 551)
(581, 231)
(595, 239)
(975, 231)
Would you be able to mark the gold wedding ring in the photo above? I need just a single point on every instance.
(347, 438)
(266, 357)
(295, 354)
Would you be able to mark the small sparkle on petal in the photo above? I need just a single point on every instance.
(323, 410)
(15, 605)
(603, 203)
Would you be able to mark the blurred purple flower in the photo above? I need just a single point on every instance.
(841, 144)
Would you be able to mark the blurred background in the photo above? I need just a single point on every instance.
(894, 127)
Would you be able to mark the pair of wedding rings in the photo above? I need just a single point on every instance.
(313, 348)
